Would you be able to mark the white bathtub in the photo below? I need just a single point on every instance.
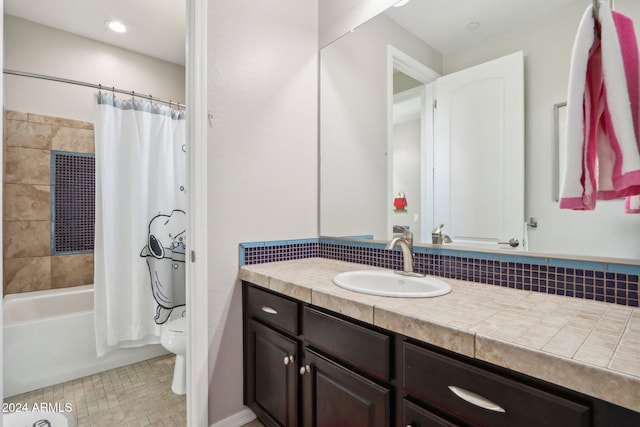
(49, 339)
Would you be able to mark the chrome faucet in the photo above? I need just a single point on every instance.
(406, 244)
(437, 238)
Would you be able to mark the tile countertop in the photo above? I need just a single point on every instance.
(587, 346)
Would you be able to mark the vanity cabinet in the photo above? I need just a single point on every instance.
(273, 377)
(483, 398)
(336, 396)
(306, 366)
(416, 416)
(271, 352)
(339, 381)
(342, 361)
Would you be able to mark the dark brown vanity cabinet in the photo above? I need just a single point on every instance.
(342, 361)
(334, 383)
(482, 398)
(335, 396)
(271, 352)
(273, 381)
(417, 416)
(306, 366)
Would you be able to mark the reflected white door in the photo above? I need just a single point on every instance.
(479, 152)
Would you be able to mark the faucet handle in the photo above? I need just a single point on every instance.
(400, 229)
(406, 233)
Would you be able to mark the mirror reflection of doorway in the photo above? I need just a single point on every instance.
(464, 149)
(406, 156)
(411, 144)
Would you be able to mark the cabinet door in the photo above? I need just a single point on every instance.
(415, 416)
(337, 397)
(272, 375)
(479, 152)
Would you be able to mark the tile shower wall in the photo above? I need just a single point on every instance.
(28, 142)
(599, 281)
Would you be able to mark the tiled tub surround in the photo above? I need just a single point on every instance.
(592, 280)
(588, 346)
(28, 142)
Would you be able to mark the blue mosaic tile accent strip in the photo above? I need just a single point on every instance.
(612, 283)
(286, 250)
(72, 202)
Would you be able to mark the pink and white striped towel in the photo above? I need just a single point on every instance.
(602, 152)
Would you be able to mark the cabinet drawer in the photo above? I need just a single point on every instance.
(415, 416)
(273, 309)
(484, 398)
(356, 345)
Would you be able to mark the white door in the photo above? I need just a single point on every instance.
(479, 152)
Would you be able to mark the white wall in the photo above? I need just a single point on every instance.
(338, 17)
(606, 231)
(34, 48)
(262, 155)
(353, 121)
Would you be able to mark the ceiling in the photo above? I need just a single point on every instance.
(155, 28)
(443, 23)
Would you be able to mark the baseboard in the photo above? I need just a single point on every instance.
(236, 420)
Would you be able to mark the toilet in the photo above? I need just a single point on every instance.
(174, 339)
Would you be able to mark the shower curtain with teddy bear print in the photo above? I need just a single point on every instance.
(140, 231)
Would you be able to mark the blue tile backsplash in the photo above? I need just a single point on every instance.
(608, 282)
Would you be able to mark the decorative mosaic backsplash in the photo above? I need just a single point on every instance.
(73, 206)
(608, 282)
(261, 252)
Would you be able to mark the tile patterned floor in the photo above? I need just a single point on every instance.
(135, 395)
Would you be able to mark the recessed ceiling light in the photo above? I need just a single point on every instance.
(472, 26)
(116, 26)
(401, 3)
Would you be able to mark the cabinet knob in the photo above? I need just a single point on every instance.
(288, 360)
(305, 369)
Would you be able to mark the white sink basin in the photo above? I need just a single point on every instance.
(389, 284)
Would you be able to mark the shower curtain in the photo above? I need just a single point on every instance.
(140, 231)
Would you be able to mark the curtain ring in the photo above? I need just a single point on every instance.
(99, 90)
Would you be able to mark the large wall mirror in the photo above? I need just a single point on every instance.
(366, 158)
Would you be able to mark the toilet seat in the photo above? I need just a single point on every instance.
(178, 325)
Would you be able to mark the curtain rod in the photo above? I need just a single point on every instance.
(91, 85)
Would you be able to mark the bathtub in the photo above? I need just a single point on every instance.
(49, 339)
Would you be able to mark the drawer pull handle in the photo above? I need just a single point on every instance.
(476, 399)
(288, 360)
(305, 370)
(269, 310)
